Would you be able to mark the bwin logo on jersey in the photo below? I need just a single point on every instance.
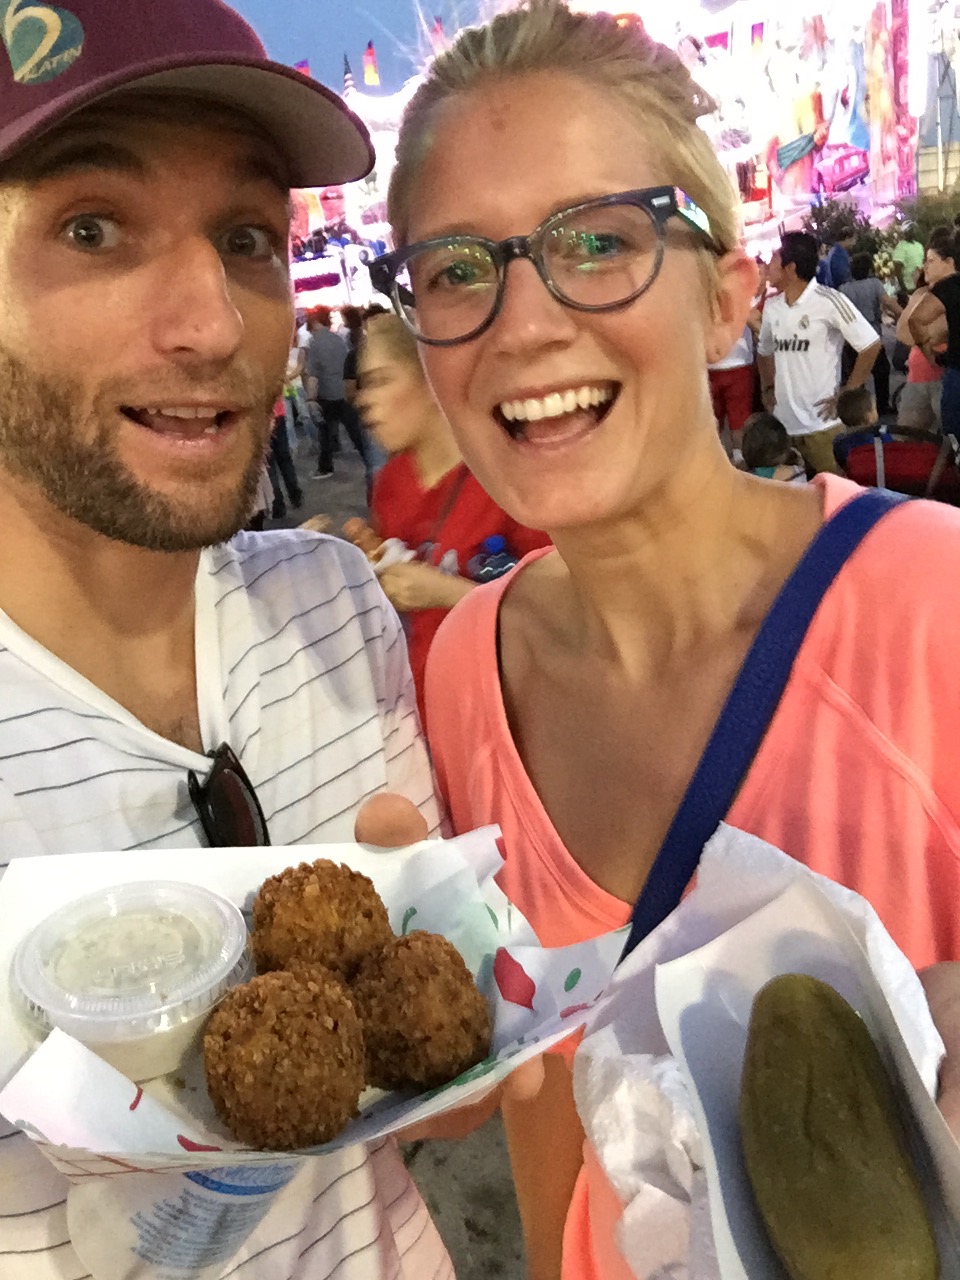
(791, 344)
(43, 42)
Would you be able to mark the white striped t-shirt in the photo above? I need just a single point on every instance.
(302, 668)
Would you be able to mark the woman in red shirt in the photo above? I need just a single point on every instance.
(424, 496)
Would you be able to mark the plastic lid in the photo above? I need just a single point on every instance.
(130, 961)
(495, 544)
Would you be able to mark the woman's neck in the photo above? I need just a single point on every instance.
(704, 558)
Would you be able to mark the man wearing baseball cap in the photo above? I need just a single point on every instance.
(147, 150)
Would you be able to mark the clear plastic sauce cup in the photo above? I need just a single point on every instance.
(133, 972)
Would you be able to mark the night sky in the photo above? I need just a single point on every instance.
(322, 31)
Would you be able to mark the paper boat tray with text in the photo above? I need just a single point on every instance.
(89, 1119)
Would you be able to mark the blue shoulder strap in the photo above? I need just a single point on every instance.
(747, 713)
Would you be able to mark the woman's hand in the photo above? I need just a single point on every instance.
(422, 586)
(521, 1085)
(391, 821)
(941, 982)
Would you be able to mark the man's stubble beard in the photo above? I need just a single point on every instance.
(45, 440)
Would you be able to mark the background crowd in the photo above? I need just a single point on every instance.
(825, 324)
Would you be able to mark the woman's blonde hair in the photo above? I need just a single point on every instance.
(543, 35)
(390, 333)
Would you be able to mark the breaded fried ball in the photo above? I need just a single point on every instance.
(424, 1021)
(283, 1056)
(321, 913)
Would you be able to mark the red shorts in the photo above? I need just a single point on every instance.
(732, 393)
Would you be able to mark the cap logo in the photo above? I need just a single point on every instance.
(43, 42)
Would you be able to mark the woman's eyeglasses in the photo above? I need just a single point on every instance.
(596, 256)
(227, 804)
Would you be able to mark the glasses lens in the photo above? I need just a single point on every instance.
(234, 810)
(455, 288)
(227, 805)
(601, 256)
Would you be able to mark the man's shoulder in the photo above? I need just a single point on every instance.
(319, 338)
(831, 304)
(258, 561)
(325, 337)
(868, 288)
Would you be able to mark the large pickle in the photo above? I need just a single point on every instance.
(835, 1187)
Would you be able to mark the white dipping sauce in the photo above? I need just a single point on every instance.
(133, 972)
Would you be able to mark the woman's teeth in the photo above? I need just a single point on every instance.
(556, 404)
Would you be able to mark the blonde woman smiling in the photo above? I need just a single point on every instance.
(568, 259)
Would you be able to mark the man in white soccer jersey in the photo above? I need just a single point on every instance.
(801, 340)
(146, 156)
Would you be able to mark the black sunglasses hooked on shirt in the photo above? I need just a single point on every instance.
(226, 803)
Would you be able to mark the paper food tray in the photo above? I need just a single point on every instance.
(704, 1001)
(89, 1119)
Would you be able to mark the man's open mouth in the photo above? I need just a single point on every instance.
(559, 413)
(190, 422)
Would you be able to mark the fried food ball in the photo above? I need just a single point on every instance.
(283, 1056)
(321, 913)
(424, 1021)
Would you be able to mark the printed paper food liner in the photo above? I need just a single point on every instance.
(657, 1076)
(174, 1196)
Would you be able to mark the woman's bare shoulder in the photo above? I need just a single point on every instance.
(536, 592)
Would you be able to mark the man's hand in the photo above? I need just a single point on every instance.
(392, 821)
(827, 408)
(941, 982)
(416, 585)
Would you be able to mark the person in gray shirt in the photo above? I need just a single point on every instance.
(323, 380)
(872, 301)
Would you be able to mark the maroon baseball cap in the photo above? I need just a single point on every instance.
(60, 59)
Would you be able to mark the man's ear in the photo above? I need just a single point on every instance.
(737, 279)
